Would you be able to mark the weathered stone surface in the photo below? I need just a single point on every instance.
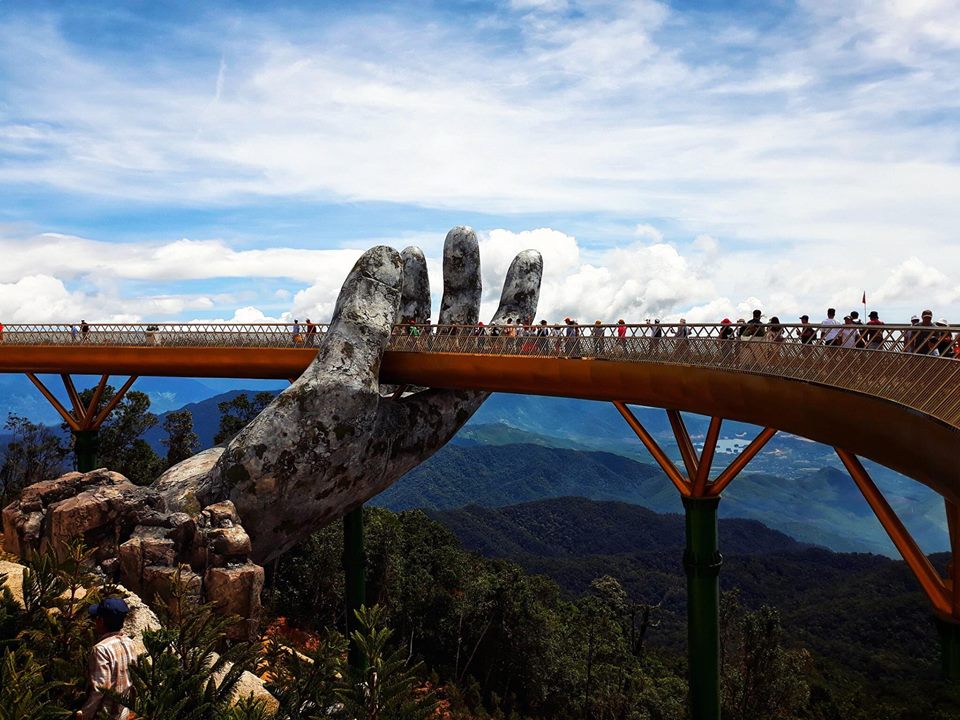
(221, 514)
(77, 504)
(14, 581)
(415, 287)
(330, 441)
(462, 284)
(231, 542)
(159, 582)
(236, 590)
(178, 485)
(249, 686)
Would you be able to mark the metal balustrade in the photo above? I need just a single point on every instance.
(186, 335)
(894, 362)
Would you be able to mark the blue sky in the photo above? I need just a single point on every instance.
(228, 160)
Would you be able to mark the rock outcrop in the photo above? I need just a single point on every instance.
(142, 618)
(137, 542)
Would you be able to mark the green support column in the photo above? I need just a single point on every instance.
(354, 569)
(85, 446)
(702, 562)
(949, 648)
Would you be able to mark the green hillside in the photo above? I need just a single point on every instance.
(864, 614)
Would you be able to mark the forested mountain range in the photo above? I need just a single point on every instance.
(519, 448)
(864, 614)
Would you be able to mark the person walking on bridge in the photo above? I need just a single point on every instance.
(910, 336)
(831, 333)
(924, 338)
(873, 335)
(943, 340)
(622, 335)
(84, 331)
(597, 334)
(848, 333)
(311, 333)
(807, 333)
(754, 328)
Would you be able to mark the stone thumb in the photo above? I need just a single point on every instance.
(363, 319)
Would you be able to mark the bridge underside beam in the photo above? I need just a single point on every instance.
(928, 577)
(84, 421)
(696, 481)
(82, 417)
(944, 594)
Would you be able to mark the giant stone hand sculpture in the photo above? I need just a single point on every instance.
(325, 445)
(331, 440)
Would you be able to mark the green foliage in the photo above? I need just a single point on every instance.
(181, 440)
(500, 641)
(25, 694)
(187, 671)
(121, 444)
(237, 413)
(246, 708)
(305, 684)
(34, 453)
(384, 688)
(760, 678)
(47, 641)
(10, 614)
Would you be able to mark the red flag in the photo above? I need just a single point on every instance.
(864, 301)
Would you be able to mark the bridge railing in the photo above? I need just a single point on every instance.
(263, 335)
(910, 365)
(910, 338)
(898, 363)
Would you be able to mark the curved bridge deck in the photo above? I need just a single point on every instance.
(901, 409)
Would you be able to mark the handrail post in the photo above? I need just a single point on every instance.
(702, 561)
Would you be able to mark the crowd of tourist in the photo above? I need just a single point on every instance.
(924, 336)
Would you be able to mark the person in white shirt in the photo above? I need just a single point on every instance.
(831, 335)
(849, 334)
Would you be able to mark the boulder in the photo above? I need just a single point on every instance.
(236, 591)
(14, 581)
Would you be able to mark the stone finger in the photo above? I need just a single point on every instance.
(521, 288)
(415, 287)
(462, 286)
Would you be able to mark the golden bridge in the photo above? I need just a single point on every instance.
(878, 392)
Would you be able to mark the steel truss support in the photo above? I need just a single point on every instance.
(944, 594)
(84, 421)
(702, 561)
(354, 570)
(701, 558)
